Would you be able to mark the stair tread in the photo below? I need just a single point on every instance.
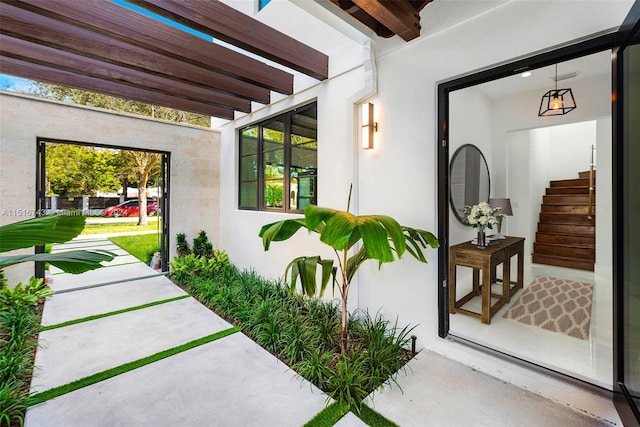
(551, 233)
(564, 262)
(564, 258)
(577, 181)
(566, 225)
(567, 245)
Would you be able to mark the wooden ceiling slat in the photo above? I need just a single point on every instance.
(234, 27)
(40, 29)
(44, 55)
(399, 16)
(30, 70)
(115, 21)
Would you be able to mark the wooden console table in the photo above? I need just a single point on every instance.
(486, 259)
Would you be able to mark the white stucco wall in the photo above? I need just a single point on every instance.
(194, 164)
(399, 177)
(407, 93)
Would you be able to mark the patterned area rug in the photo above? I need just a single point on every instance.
(557, 305)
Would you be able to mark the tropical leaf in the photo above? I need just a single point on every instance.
(305, 268)
(394, 231)
(338, 229)
(40, 230)
(354, 262)
(419, 239)
(374, 239)
(279, 231)
(75, 262)
(316, 217)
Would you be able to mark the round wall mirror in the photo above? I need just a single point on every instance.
(468, 178)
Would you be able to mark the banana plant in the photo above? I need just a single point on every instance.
(354, 239)
(49, 229)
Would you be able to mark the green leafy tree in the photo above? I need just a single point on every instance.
(80, 170)
(99, 100)
(354, 239)
(144, 166)
(132, 166)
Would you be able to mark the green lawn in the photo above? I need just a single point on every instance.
(141, 246)
(117, 227)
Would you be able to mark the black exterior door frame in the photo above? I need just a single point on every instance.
(41, 200)
(626, 137)
(628, 34)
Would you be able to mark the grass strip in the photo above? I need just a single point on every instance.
(328, 416)
(121, 369)
(373, 418)
(111, 313)
(105, 266)
(119, 227)
(141, 246)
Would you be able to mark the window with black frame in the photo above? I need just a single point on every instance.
(279, 162)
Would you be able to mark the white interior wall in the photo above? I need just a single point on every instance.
(469, 123)
(518, 159)
(569, 150)
(536, 157)
(194, 159)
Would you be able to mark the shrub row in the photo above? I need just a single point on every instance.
(302, 332)
(19, 326)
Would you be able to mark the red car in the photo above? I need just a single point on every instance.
(130, 208)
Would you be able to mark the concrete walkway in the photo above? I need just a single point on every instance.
(230, 381)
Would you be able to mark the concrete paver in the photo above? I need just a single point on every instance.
(437, 391)
(104, 299)
(229, 382)
(83, 349)
(101, 275)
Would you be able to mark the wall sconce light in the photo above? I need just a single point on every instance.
(557, 101)
(369, 126)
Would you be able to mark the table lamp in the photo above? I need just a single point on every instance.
(505, 209)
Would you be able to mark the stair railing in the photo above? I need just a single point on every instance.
(591, 182)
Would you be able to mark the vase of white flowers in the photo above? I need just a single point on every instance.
(481, 216)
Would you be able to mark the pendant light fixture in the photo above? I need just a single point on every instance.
(557, 101)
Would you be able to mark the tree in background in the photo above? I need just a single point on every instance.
(138, 166)
(146, 165)
(74, 170)
(93, 99)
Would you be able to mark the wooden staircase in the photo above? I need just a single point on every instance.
(566, 234)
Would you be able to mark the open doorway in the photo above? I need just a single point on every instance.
(108, 185)
(525, 154)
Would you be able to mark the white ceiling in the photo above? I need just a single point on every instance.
(542, 78)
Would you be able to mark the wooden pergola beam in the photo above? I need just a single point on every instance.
(223, 22)
(110, 19)
(399, 16)
(47, 56)
(43, 73)
(20, 23)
